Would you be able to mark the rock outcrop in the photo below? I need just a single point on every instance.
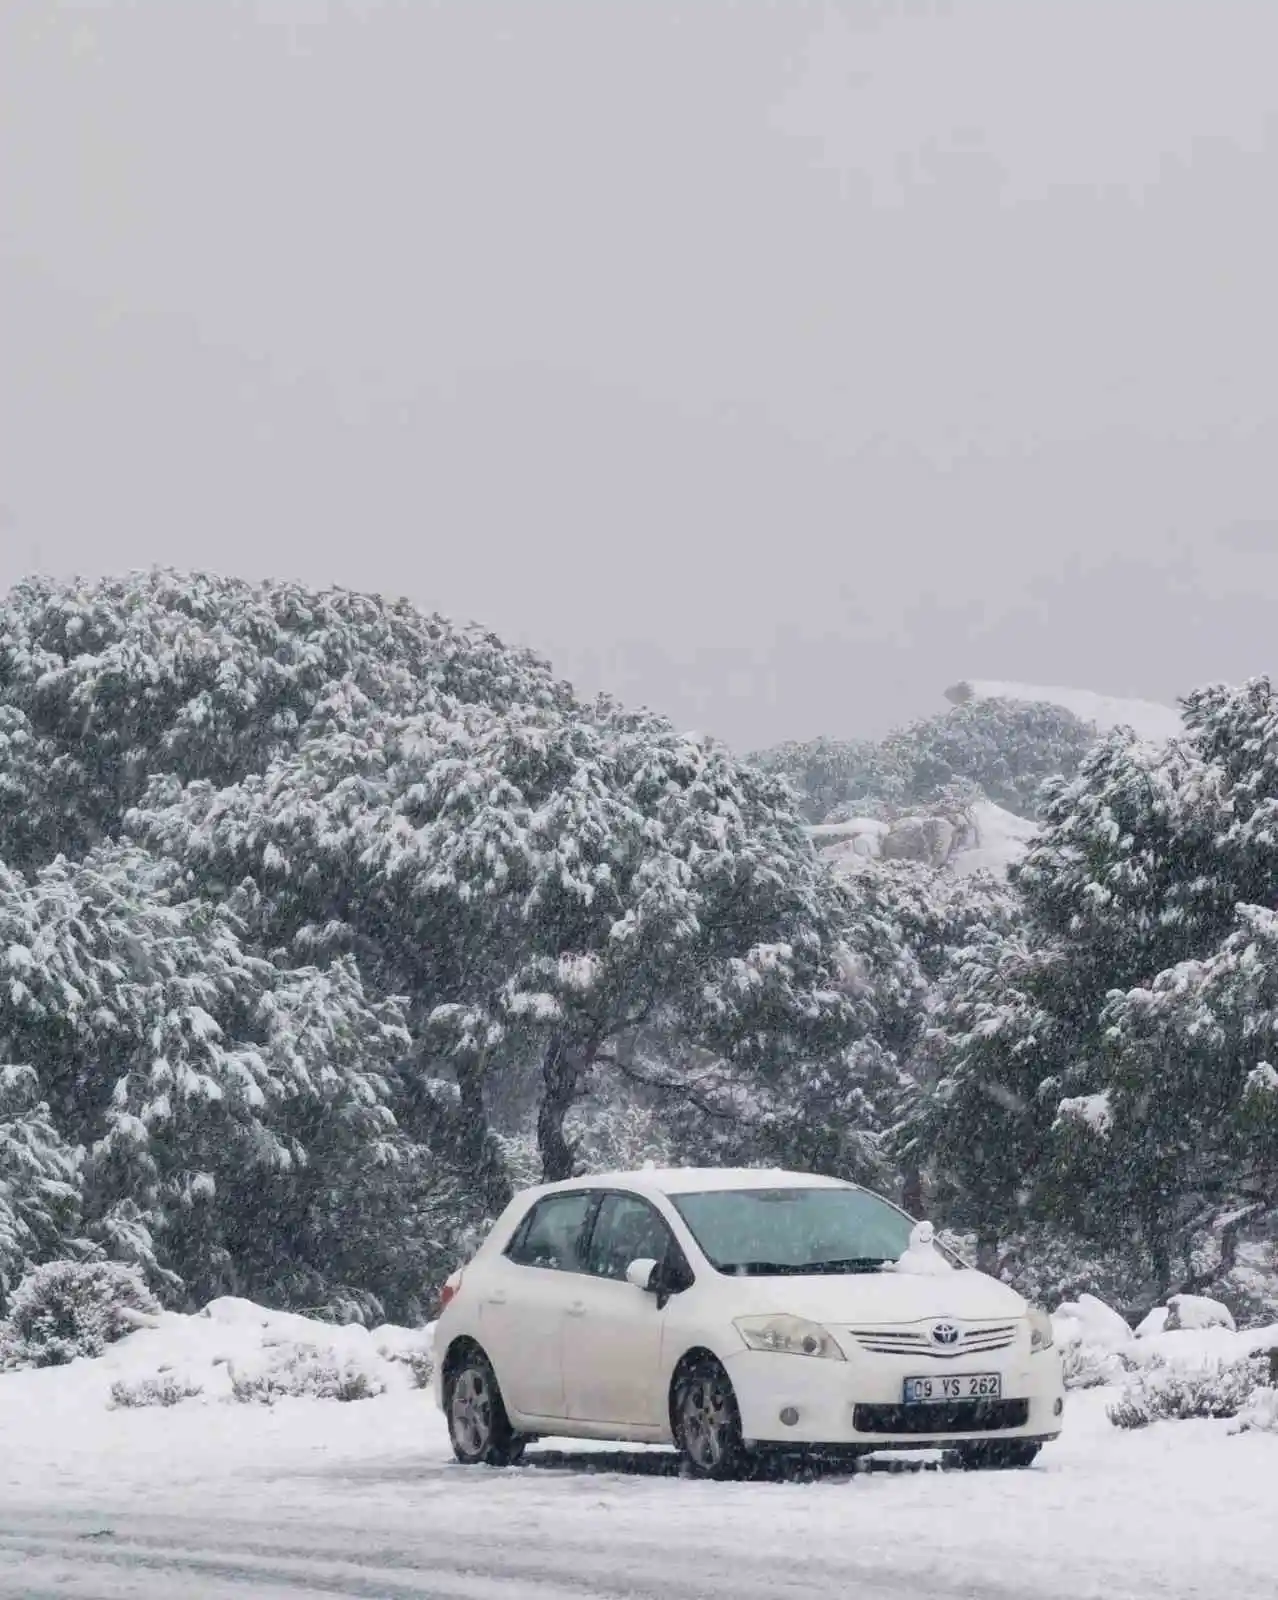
(983, 838)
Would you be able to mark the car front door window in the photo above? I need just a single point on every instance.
(627, 1229)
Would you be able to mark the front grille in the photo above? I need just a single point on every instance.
(942, 1417)
(919, 1342)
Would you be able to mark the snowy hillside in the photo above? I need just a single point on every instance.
(988, 838)
(1146, 718)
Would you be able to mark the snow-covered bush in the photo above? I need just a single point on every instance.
(297, 1370)
(73, 1308)
(1091, 1337)
(1260, 1414)
(1160, 1392)
(412, 1349)
(164, 1389)
(1090, 1366)
(418, 1359)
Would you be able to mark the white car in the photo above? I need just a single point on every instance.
(732, 1313)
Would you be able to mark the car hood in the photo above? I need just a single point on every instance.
(864, 1299)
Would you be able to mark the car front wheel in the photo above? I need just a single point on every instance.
(997, 1455)
(707, 1423)
(478, 1426)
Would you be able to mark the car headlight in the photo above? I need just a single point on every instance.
(790, 1336)
(1041, 1335)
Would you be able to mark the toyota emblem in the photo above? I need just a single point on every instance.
(945, 1333)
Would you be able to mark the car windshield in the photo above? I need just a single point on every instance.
(765, 1232)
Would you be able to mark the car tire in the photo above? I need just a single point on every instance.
(707, 1421)
(478, 1425)
(998, 1455)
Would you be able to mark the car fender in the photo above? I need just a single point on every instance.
(681, 1341)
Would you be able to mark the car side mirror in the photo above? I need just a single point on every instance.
(643, 1274)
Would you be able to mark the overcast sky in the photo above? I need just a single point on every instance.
(773, 364)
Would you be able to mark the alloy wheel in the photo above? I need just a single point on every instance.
(472, 1411)
(707, 1423)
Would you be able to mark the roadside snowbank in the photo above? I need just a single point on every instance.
(1206, 1334)
(1185, 1362)
(231, 1350)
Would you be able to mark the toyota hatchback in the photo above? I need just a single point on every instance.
(732, 1313)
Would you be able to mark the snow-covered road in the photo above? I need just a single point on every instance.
(315, 1498)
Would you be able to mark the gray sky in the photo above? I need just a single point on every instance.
(773, 364)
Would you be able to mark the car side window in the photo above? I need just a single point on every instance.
(550, 1236)
(627, 1229)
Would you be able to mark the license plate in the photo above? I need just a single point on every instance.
(968, 1386)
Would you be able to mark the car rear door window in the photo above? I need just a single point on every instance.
(551, 1236)
(627, 1229)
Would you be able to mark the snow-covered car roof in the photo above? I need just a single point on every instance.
(696, 1180)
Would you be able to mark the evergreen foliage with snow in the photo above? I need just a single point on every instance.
(1107, 1064)
(41, 1181)
(1004, 749)
(323, 923)
(307, 892)
(104, 685)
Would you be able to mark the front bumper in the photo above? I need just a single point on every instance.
(857, 1403)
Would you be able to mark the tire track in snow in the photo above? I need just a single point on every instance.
(181, 1557)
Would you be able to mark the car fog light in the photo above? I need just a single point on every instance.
(789, 1415)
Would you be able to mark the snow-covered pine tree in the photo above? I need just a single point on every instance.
(105, 684)
(980, 1130)
(40, 1181)
(901, 928)
(536, 880)
(1185, 1129)
(352, 802)
(214, 1092)
(1115, 1051)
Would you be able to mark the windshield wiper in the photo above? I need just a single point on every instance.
(850, 1264)
(760, 1269)
(790, 1269)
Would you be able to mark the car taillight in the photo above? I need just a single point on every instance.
(450, 1290)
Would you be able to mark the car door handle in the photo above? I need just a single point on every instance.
(577, 1308)
(497, 1298)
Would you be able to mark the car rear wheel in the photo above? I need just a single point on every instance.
(997, 1455)
(707, 1422)
(478, 1425)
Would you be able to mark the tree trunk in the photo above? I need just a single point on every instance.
(1160, 1257)
(560, 1077)
(1229, 1244)
(987, 1251)
(912, 1197)
(477, 1148)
